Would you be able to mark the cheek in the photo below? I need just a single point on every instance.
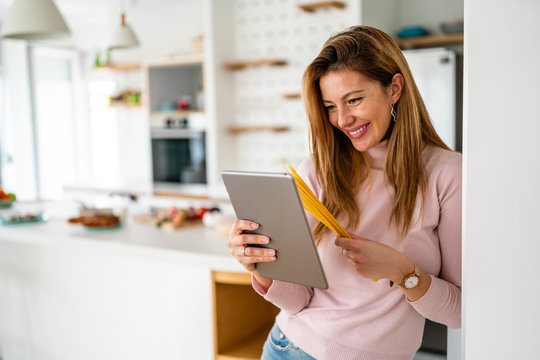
(332, 118)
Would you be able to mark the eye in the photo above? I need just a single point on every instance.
(354, 101)
(330, 108)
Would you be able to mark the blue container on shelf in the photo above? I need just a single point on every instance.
(412, 31)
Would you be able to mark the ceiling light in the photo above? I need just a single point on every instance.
(32, 20)
(123, 36)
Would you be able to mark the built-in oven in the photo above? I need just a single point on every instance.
(178, 156)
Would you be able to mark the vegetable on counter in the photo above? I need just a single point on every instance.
(175, 217)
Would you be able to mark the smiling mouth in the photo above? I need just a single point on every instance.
(359, 130)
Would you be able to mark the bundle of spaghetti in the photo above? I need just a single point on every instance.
(315, 207)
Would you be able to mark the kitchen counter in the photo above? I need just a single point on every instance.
(135, 292)
(191, 245)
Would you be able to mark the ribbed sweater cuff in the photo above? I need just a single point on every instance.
(441, 303)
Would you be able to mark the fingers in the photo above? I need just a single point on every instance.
(239, 245)
(349, 244)
(241, 225)
(250, 254)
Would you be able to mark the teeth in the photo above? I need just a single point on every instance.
(356, 132)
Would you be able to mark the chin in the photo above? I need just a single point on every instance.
(363, 146)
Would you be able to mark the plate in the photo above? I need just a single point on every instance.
(102, 228)
(15, 219)
(6, 203)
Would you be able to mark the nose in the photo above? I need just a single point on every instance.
(345, 117)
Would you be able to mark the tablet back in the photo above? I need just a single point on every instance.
(272, 201)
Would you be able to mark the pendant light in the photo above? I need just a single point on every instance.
(34, 20)
(123, 36)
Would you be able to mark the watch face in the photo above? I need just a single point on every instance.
(411, 282)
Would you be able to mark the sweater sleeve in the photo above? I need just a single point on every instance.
(289, 297)
(442, 301)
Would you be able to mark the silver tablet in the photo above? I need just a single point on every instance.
(272, 201)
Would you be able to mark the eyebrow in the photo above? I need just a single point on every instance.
(348, 94)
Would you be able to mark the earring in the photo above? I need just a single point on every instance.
(393, 112)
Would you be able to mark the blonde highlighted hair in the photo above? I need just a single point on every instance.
(341, 168)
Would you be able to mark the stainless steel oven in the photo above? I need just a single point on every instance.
(178, 156)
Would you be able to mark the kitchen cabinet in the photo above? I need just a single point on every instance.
(242, 318)
(135, 292)
(178, 127)
(175, 86)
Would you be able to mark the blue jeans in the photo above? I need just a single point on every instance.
(279, 347)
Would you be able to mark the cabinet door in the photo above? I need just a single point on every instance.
(87, 303)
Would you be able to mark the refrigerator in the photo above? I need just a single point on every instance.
(435, 72)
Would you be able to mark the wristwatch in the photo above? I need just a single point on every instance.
(410, 281)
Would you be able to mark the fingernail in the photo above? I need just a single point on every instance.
(270, 252)
(265, 240)
(254, 226)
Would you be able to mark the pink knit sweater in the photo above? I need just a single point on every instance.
(359, 319)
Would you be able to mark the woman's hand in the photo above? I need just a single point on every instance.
(374, 260)
(246, 255)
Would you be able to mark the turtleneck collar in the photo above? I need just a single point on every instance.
(378, 154)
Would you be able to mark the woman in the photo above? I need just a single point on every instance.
(379, 166)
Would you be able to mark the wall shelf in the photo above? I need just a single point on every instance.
(120, 105)
(430, 41)
(119, 67)
(245, 129)
(176, 113)
(314, 6)
(292, 95)
(237, 65)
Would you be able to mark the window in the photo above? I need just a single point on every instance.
(54, 89)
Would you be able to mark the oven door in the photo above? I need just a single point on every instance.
(178, 156)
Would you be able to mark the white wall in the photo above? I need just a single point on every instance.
(501, 291)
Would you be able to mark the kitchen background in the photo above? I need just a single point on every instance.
(78, 121)
(248, 118)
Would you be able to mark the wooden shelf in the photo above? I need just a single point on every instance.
(176, 112)
(245, 129)
(237, 65)
(119, 67)
(248, 349)
(242, 318)
(314, 6)
(292, 96)
(430, 41)
(232, 278)
(124, 106)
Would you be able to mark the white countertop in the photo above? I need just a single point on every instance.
(192, 245)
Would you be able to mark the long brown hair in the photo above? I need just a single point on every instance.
(341, 169)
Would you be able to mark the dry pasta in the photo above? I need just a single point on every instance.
(314, 206)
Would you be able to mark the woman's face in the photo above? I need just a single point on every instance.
(358, 106)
